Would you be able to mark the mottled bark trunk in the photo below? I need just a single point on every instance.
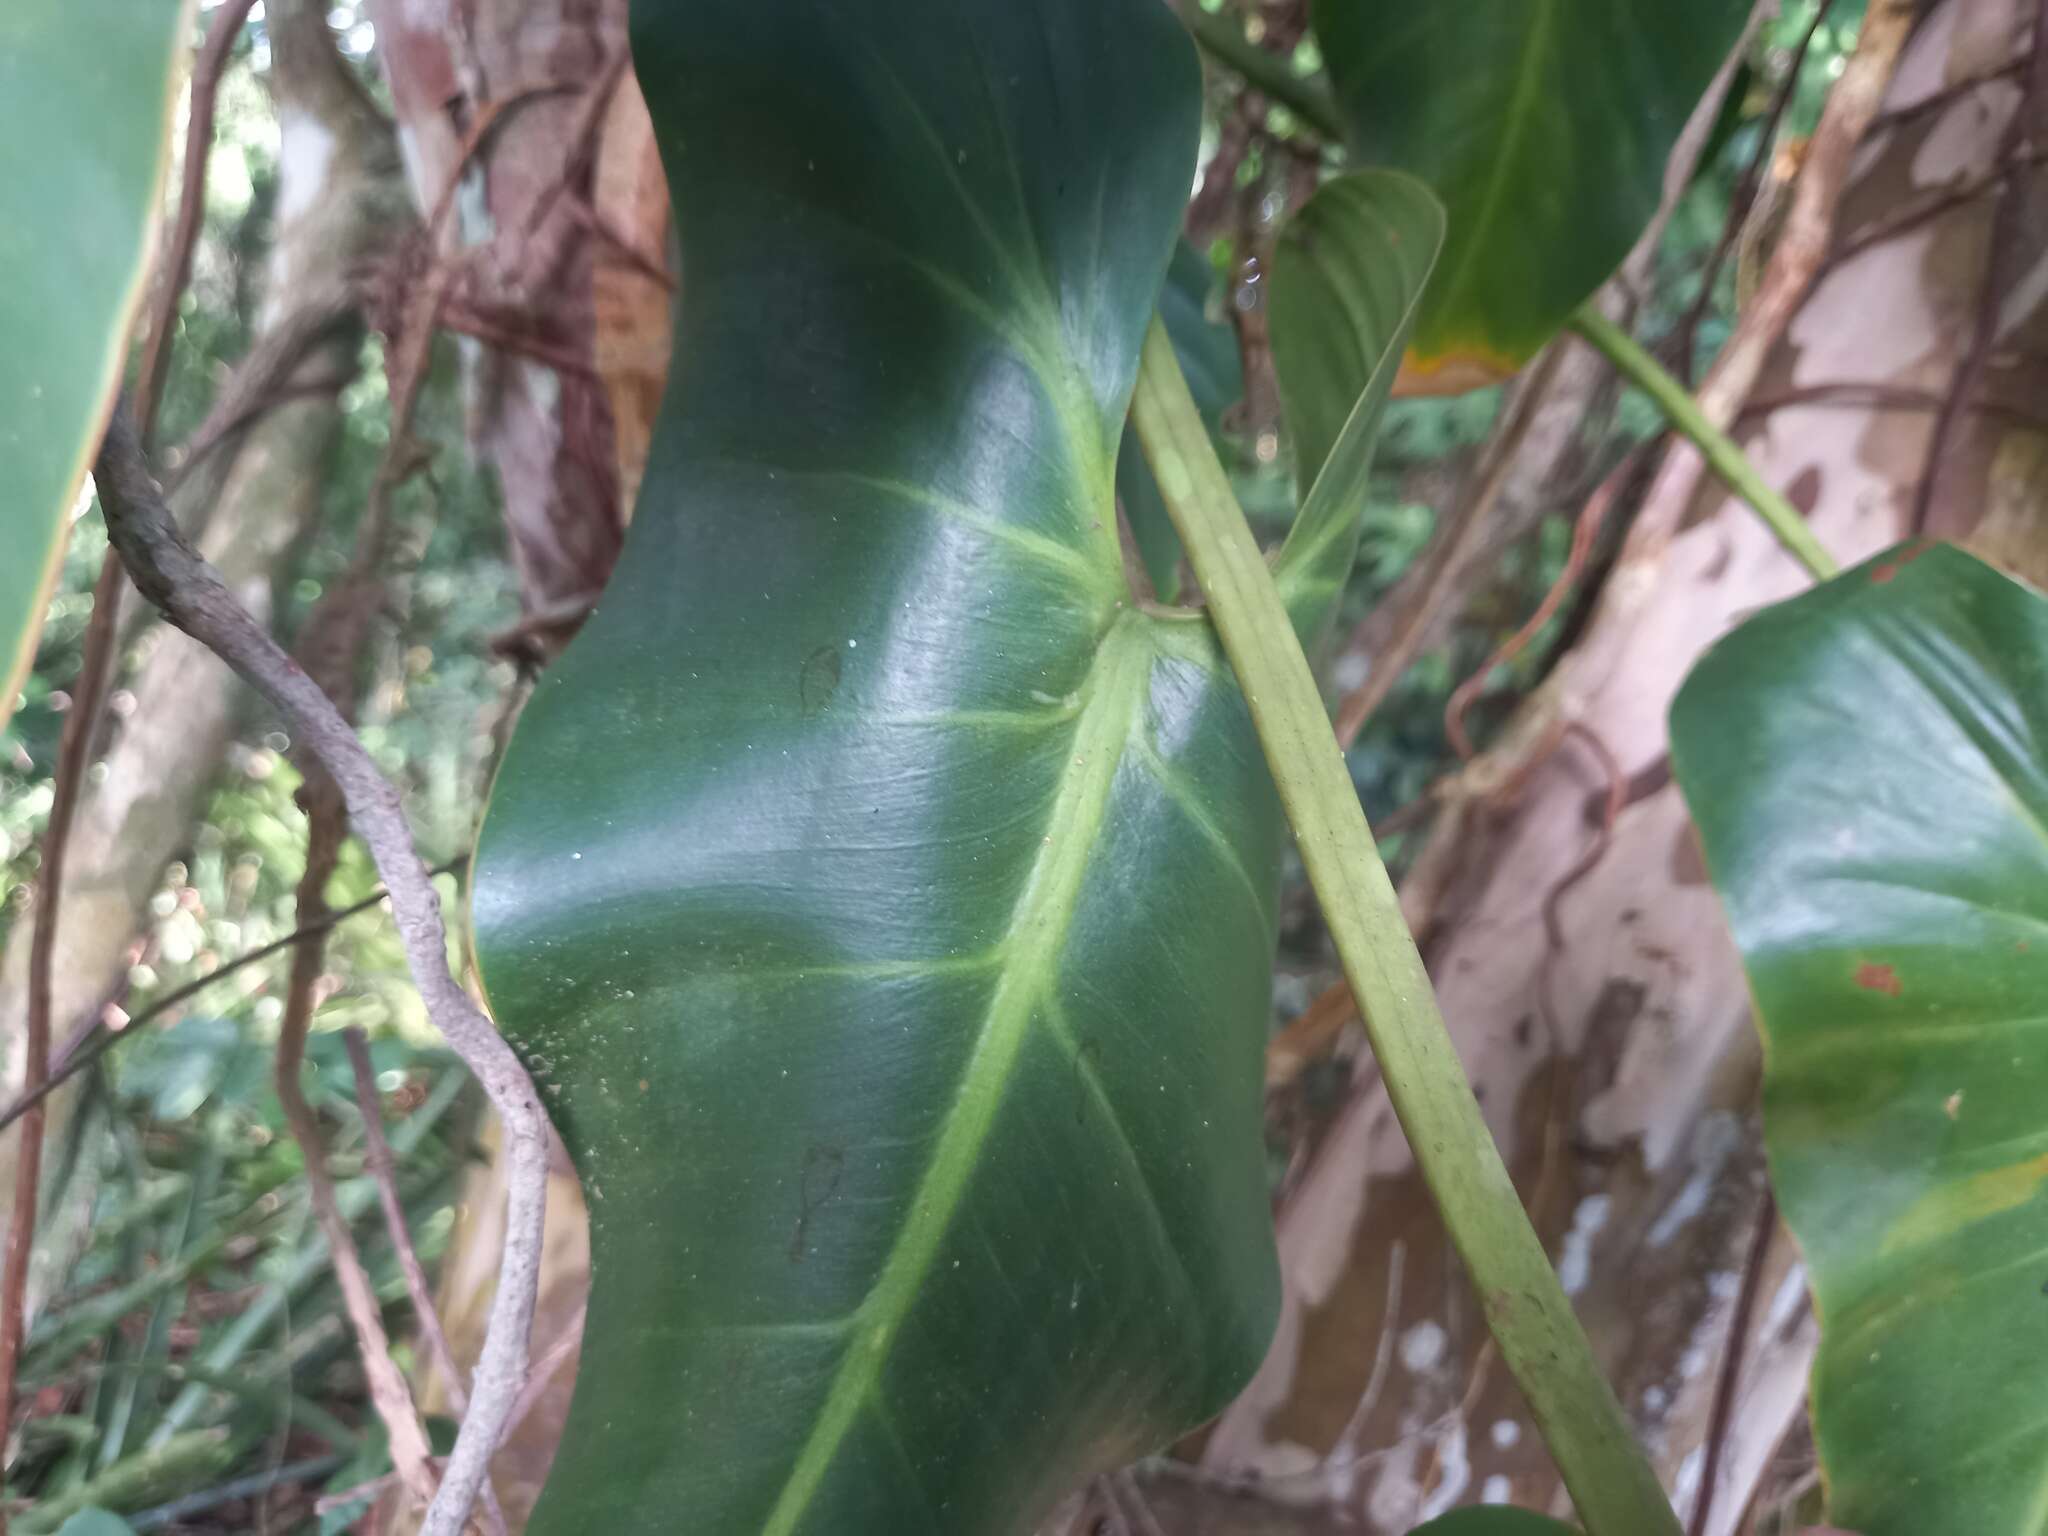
(338, 195)
(498, 120)
(1603, 1017)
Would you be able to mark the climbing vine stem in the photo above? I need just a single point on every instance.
(1722, 453)
(1613, 1487)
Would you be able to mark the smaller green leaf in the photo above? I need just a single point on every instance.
(1868, 768)
(1348, 278)
(95, 1522)
(1215, 372)
(86, 88)
(1544, 125)
(1494, 1520)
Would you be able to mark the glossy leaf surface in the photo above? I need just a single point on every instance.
(1868, 767)
(86, 90)
(1494, 1520)
(884, 902)
(1352, 268)
(1544, 125)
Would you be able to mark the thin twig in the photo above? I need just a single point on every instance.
(383, 1171)
(1585, 534)
(1447, 556)
(1731, 1360)
(175, 270)
(80, 1054)
(377, 1162)
(1801, 254)
(74, 751)
(192, 596)
(262, 379)
(2009, 247)
(389, 1395)
(1948, 95)
(1686, 333)
(1927, 209)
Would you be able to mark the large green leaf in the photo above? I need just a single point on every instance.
(1351, 270)
(86, 89)
(1543, 124)
(1868, 766)
(884, 902)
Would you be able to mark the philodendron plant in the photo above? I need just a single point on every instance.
(882, 887)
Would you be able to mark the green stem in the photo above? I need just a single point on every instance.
(1723, 455)
(1613, 1487)
(1222, 37)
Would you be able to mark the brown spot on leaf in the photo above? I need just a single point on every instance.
(1872, 977)
(1905, 557)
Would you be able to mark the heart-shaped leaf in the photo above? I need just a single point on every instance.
(86, 91)
(885, 901)
(1352, 269)
(1544, 126)
(1868, 767)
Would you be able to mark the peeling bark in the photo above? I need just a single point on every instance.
(339, 198)
(515, 74)
(1615, 1056)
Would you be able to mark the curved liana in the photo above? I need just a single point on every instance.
(883, 899)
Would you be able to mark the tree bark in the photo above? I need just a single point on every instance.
(1600, 1006)
(338, 198)
(493, 117)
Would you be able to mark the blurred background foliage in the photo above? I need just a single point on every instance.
(193, 1367)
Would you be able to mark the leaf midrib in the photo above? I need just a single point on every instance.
(1478, 235)
(1031, 947)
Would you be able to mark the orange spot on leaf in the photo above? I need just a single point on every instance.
(1907, 555)
(1878, 978)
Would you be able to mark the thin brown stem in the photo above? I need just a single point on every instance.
(1585, 533)
(377, 1162)
(1751, 183)
(1802, 253)
(1731, 1361)
(411, 1454)
(2002, 264)
(1927, 209)
(73, 754)
(192, 596)
(175, 270)
(97, 1040)
(1448, 553)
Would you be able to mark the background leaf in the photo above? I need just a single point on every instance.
(95, 1522)
(86, 90)
(1350, 271)
(1494, 1520)
(1868, 766)
(1544, 126)
(1208, 353)
(885, 904)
